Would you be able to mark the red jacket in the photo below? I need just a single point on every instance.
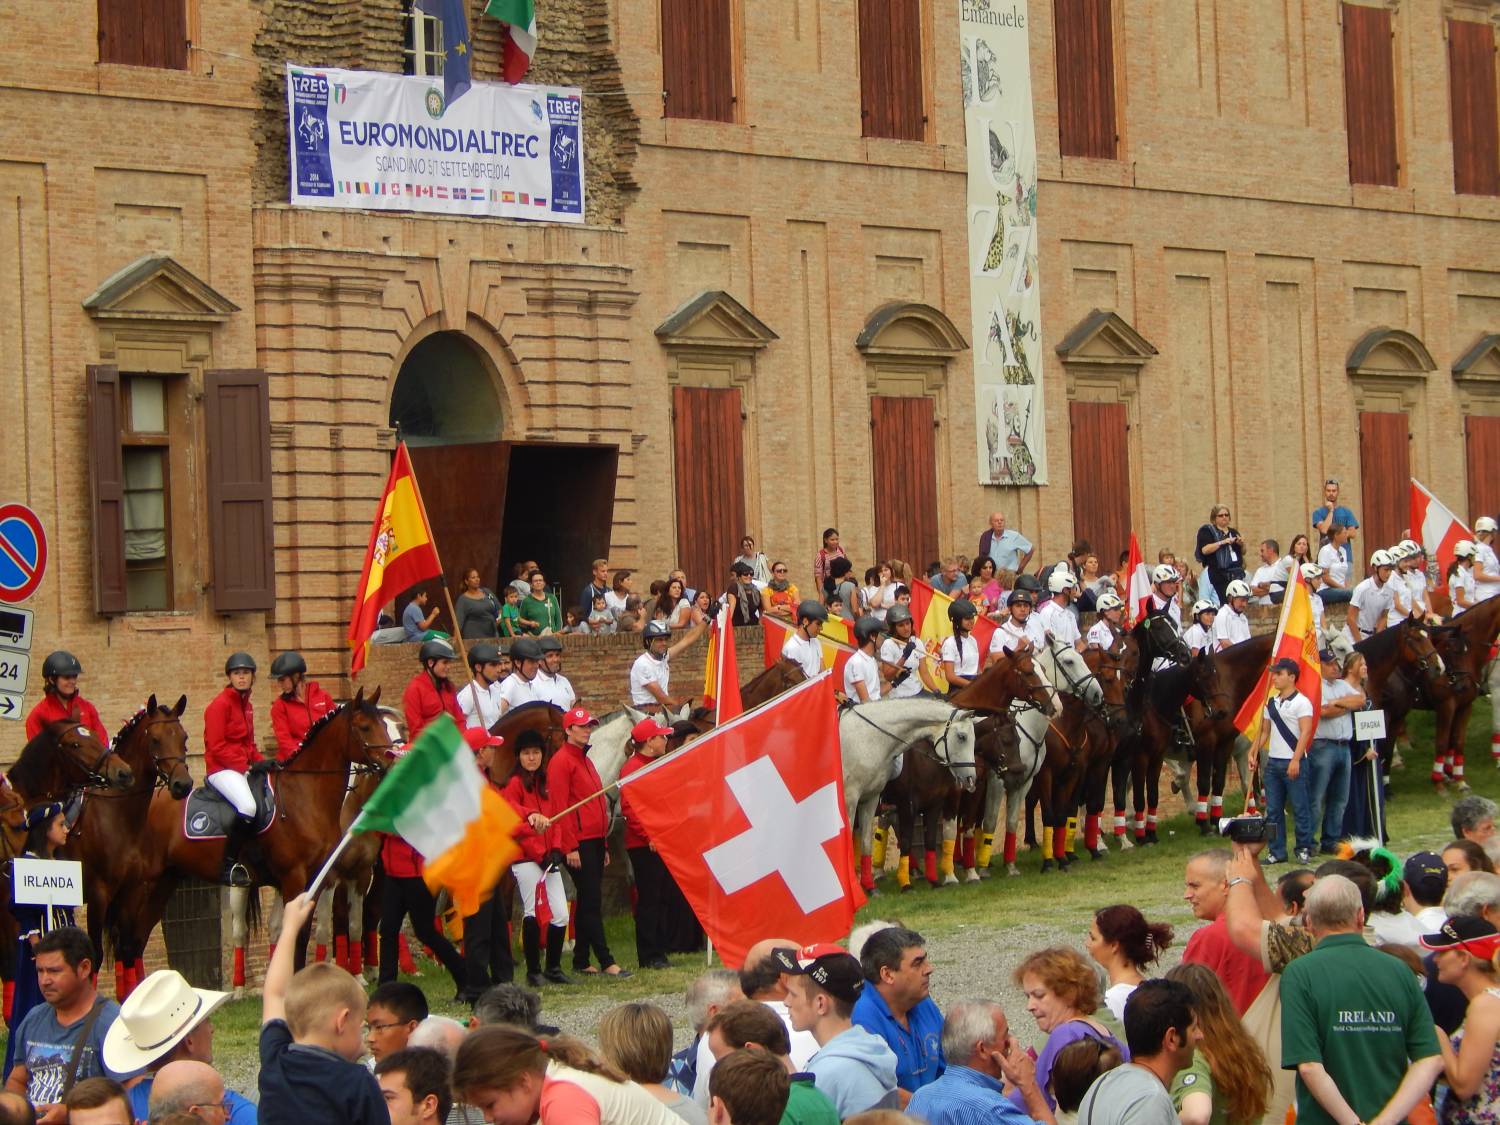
(229, 733)
(400, 859)
(571, 777)
(534, 845)
(291, 717)
(635, 831)
(51, 708)
(424, 701)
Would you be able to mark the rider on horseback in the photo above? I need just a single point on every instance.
(862, 671)
(1200, 634)
(803, 646)
(229, 750)
(520, 686)
(904, 653)
(550, 683)
(651, 674)
(480, 698)
(1374, 600)
(961, 651)
(1486, 564)
(301, 702)
(1019, 630)
(1105, 632)
(61, 699)
(1164, 602)
(430, 691)
(1057, 615)
(1232, 626)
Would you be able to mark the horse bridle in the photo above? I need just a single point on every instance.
(942, 740)
(1099, 710)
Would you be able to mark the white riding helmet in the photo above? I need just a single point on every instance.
(1382, 558)
(1398, 552)
(1239, 588)
(1311, 571)
(1413, 548)
(1164, 572)
(1486, 523)
(1108, 600)
(1463, 549)
(1061, 579)
(1202, 606)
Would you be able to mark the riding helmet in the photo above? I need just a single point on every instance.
(1165, 572)
(897, 614)
(961, 609)
(1020, 596)
(1486, 523)
(61, 663)
(867, 627)
(435, 649)
(549, 643)
(1382, 558)
(525, 648)
(1239, 588)
(1108, 600)
(653, 630)
(485, 652)
(1463, 549)
(1201, 606)
(810, 609)
(239, 662)
(1061, 579)
(1311, 570)
(1030, 583)
(288, 664)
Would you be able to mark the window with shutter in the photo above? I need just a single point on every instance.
(1085, 53)
(708, 448)
(144, 33)
(106, 488)
(697, 59)
(1481, 455)
(1472, 97)
(1101, 476)
(238, 437)
(905, 478)
(1370, 95)
(892, 98)
(1385, 478)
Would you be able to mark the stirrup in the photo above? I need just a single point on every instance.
(236, 874)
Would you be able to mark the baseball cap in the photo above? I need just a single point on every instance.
(1286, 664)
(1475, 935)
(579, 717)
(648, 728)
(478, 738)
(1327, 655)
(831, 967)
(1426, 875)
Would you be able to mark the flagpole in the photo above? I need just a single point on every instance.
(312, 888)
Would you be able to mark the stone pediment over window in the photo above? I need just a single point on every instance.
(714, 320)
(157, 288)
(1390, 353)
(1481, 363)
(1105, 340)
(905, 329)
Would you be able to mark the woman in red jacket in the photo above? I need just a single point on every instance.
(648, 741)
(302, 702)
(228, 751)
(541, 859)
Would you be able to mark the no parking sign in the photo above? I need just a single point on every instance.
(23, 552)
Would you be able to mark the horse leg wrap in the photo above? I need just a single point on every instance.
(1495, 746)
(1070, 837)
(1091, 831)
(120, 992)
(903, 872)
(1439, 770)
(1457, 762)
(1010, 847)
(1140, 826)
(139, 973)
(1120, 822)
(966, 856)
(403, 955)
(877, 848)
(985, 850)
(341, 951)
(866, 873)
(239, 966)
(1047, 838)
(320, 952)
(1216, 807)
(930, 865)
(1200, 809)
(949, 848)
(356, 957)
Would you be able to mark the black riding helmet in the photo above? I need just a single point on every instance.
(897, 614)
(1030, 583)
(810, 609)
(61, 663)
(525, 648)
(549, 643)
(1020, 596)
(288, 664)
(239, 662)
(867, 627)
(435, 649)
(961, 609)
(652, 631)
(484, 653)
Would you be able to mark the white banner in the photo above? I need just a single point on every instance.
(1004, 286)
(387, 142)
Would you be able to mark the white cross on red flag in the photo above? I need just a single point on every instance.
(750, 820)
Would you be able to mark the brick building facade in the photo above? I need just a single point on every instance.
(757, 326)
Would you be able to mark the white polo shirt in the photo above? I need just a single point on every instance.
(891, 651)
(1416, 582)
(1290, 710)
(1334, 564)
(808, 653)
(1272, 574)
(1060, 622)
(1101, 634)
(967, 664)
(516, 691)
(557, 690)
(1231, 627)
(1317, 609)
(1008, 634)
(1373, 603)
(1340, 728)
(649, 670)
(480, 705)
(1400, 595)
(1484, 559)
(1463, 579)
(862, 667)
(1197, 638)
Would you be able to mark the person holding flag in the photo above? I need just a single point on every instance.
(539, 870)
(903, 654)
(1286, 736)
(430, 692)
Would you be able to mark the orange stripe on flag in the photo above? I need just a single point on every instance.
(1296, 639)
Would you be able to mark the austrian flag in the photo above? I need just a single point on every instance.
(750, 821)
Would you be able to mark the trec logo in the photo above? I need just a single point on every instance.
(435, 103)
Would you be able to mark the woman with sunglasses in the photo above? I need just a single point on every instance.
(1221, 550)
(1466, 948)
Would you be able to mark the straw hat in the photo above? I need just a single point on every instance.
(155, 1018)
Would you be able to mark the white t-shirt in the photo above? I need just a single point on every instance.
(1197, 638)
(1291, 710)
(1317, 610)
(1334, 564)
(1485, 560)
(1115, 996)
(1416, 583)
(480, 705)
(516, 691)
(808, 653)
(649, 670)
(1101, 635)
(556, 690)
(891, 651)
(615, 603)
(966, 665)
(1271, 574)
(1060, 621)
(1008, 634)
(1463, 579)
(1373, 603)
(862, 667)
(1406, 929)
(1341, 727)
(1231, 626)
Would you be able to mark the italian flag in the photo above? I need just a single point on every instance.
(520, 44)
(436, 799)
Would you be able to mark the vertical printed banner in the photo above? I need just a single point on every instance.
(1004, 286)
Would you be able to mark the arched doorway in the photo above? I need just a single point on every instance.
(445, 395)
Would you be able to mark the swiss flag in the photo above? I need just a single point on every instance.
(1435, 527)
(750, 821)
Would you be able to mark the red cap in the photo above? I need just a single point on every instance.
(579, 717)
(478, 738)
(647, 729)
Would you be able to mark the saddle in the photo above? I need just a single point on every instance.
(207, 816)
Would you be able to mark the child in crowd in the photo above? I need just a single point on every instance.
(632, 620)
(310, 1037)
(510, 613)
(571, 624)
(601, 620)
(976, 595)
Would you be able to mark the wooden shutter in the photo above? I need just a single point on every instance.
(144, 33)
(1085, 53)
(892, 97)
(106, 488)
(709, 462)
(1101, 478)
(1385, 478)
(1481, 455)
(904, 457)
(238, 432)
(697, 59)
(1370, 95)
(1472, 97)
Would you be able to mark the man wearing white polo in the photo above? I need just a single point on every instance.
(1232, 626)
(1373, 602)
(1057, 616)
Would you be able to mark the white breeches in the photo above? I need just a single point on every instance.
(528, 875)
(232, 786)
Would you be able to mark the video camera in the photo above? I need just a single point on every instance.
(1243, 829)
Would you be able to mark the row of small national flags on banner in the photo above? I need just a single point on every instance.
(438, 191)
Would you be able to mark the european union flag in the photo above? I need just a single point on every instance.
(455, 44)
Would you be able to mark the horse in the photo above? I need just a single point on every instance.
(1403, 665)
(996, 748)
(872, 734)
(64, 760)
(105, 838)
(1215, 737)
(1151, 641)
(1464, 645)
(1108, 667)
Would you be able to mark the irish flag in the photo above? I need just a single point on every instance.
(519, 16)
(436, 800)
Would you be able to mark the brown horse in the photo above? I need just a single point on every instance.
(106, 837)
(1464, 645)
(1109, 667)
(1137, 761)
(1215, 736)
(1403, 666)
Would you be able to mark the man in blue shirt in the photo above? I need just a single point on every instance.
(1010, 549)
(896, 1005)
(1331, 512)
(980, 1052)
(412, 619)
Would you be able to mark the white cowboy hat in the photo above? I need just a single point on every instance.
(154, 1019)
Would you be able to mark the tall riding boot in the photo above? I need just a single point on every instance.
(556, 935)
(531, 942)
(235, 874)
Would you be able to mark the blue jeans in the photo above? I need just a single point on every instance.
(1278, 787)
(1332, 596)
(1329, 784)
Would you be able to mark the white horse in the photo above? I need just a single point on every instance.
(871, 735)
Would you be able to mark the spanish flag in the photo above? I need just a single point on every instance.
(1296, 638)
(721, 673)
(401, 554)
(929, 609)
